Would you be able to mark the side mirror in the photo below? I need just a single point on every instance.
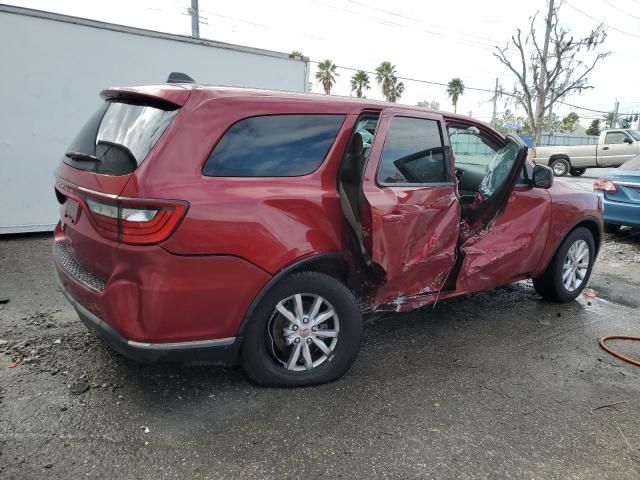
(542, 177)
(627, 140)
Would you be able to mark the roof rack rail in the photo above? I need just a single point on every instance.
(179, 77)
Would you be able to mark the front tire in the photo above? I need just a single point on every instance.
(570, 268)
(577, 172)
(305, 331)
(560, 167)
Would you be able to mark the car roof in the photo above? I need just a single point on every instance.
(177, 93)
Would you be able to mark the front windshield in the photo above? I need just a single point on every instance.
(635, 134)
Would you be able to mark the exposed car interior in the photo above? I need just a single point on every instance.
(352, 168)
(481, 166)
(473, 151)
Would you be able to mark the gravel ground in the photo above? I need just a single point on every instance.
(498, 384)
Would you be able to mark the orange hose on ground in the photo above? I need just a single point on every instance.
(602, 341)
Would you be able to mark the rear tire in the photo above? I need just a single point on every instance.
(576, 172)
(611, 228)
(560, 167)
(555, 284)
(281, 346)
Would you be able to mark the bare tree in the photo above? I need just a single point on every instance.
(549, 68)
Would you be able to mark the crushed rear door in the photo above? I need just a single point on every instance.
(413, 209)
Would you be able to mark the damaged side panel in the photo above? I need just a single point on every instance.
(511, 248)
(424, 245)
(414, 236)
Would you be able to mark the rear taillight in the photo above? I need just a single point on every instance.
(136, 221)
(604, 186)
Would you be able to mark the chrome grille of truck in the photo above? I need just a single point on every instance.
(70, 265)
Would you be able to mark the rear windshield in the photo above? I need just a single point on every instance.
(118, 137)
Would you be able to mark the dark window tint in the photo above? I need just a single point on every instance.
(118, 137)
(274, 146)
(413, 152)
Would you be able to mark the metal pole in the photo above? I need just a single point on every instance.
(195, 19)
(495, 105)
(542, 83)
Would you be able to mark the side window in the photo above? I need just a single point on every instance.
(470, 146)
(614, 138)
(413, 153)
(273, 146)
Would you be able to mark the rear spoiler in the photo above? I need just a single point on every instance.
(168, 97)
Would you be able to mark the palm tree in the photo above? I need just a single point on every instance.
(396, 91)
(326, 75)
(455, 89)
(360, 82)
(386, 77)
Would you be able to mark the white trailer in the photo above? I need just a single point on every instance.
(53, 68)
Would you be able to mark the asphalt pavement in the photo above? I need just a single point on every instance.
(494, 385)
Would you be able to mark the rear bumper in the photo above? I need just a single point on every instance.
(222, 351)
(151, 296)
(621, 213)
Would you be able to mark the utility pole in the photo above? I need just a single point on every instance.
(495, 105)
(195, 19)
(614, 120)
(542, 92)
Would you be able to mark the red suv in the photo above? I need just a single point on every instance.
(242, 226)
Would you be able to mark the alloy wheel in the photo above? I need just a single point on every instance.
(303, 331)
(576, 265)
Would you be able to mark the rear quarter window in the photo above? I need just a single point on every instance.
(273, 146)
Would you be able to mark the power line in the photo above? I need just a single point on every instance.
(602, 23)
(446, 28)
(410, 79)
(402, 26)
(620, 10)
(478, 89)
(581, 108)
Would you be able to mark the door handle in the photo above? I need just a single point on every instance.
(605, 148)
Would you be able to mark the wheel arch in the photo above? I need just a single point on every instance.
(559, 156)
(333, 264)
(590, 223)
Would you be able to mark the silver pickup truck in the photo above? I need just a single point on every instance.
(614, 147)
